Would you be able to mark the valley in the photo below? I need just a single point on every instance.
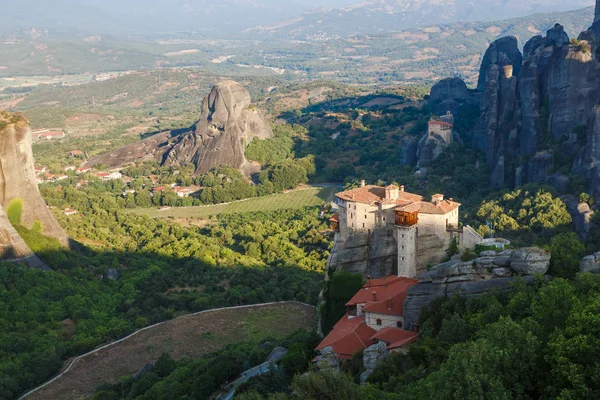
(376, 200)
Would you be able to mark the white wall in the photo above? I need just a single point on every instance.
(386, 320)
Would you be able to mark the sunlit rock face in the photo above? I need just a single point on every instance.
(227, 124)
(18, 185)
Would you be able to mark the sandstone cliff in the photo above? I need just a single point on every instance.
(227, 124)
(18, 183)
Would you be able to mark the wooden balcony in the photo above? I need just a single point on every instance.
(404, 218)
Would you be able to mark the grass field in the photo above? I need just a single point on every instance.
(185, 337)
(300, 198)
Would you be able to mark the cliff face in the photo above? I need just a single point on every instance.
(18, 181)
(226, 126)
(491, 271)
(533, 106)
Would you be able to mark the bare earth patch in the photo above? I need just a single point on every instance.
(186, 337)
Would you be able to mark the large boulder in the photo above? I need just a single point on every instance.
(327, 359)
(591, 264)
(530, 261)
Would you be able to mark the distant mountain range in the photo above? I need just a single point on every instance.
(381, 16)
(289, 18)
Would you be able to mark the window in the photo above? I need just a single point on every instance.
(378, 322)
(402, 247)
(365, 217)
(402, 236)
(363, 224)
(399, 324)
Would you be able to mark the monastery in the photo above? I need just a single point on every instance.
(423, 230)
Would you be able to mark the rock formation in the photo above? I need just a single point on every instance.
(537, 103)
(591, 264)
(364, 253)
(449, 94)
(18, 184)
(227, 124)
(492, 270)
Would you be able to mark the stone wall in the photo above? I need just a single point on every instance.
(386, 320)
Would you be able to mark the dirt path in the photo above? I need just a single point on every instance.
(190, 336)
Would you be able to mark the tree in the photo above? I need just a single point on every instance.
(567, 251)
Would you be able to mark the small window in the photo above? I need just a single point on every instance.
(402, 236)
(402, 247)
(399, 324)
(363, 225)
(365, 217)
(383, 219)
(378, 322)
(402, 258)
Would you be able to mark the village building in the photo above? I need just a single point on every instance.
(109, 176)
(127, 192)
(56, 177)
(70, 168)
(40, 170)
(183, 191)
(423, 230)
(47, 134)
(374, 314)
(164, 208)
(83, 170)
(70, 211)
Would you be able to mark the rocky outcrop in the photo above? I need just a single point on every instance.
(530, 105)
(588, 161)
(495, 132)
(327, 359)
(491, 270)
(591, 264)
(504, 52)
(581, 213)
(227, 124)
(449, 94)
(368, 254)
(371, 357)
(18, 185)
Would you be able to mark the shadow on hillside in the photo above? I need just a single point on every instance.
(94, 297)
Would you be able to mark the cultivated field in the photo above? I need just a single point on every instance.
(186, 337)
(304, 197)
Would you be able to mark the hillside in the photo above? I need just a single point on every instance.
(381, 16)
(191, 336)
(412, 55)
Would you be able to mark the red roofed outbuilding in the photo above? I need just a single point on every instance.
(375, 313)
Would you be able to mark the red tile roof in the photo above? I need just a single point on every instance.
(383, 296)
(376, 194)
(395, 337)
(348, 336)
(441, 123)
